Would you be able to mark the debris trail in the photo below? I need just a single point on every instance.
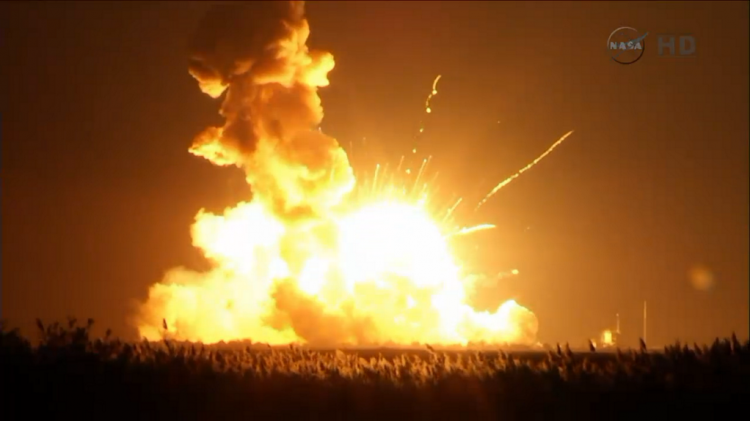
(522, 170)
(427, 107)
(432, 93)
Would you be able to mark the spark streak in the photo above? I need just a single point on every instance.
(432, 94)
(522, 170)
(470, 230)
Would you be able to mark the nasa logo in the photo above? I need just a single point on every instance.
(625, 45)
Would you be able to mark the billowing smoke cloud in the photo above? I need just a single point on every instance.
(255, 53)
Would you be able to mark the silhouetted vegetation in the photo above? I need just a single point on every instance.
(70, 374)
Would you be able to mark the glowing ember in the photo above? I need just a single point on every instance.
(312, 258)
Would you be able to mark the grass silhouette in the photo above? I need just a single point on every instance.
(71, 374)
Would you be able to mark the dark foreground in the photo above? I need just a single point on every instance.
(70, 375)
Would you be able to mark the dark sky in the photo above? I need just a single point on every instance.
(99, 191)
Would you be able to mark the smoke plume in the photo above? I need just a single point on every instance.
(255, 54)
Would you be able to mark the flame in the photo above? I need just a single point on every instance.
(384, 272)
(315, 257)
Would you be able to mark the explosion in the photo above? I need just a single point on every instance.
(314, 257)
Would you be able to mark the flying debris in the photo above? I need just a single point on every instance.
(432, 94)
(522, 170)
(427, 106)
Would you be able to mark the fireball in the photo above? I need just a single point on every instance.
(315, 257)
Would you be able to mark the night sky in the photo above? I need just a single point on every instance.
(99, 191)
